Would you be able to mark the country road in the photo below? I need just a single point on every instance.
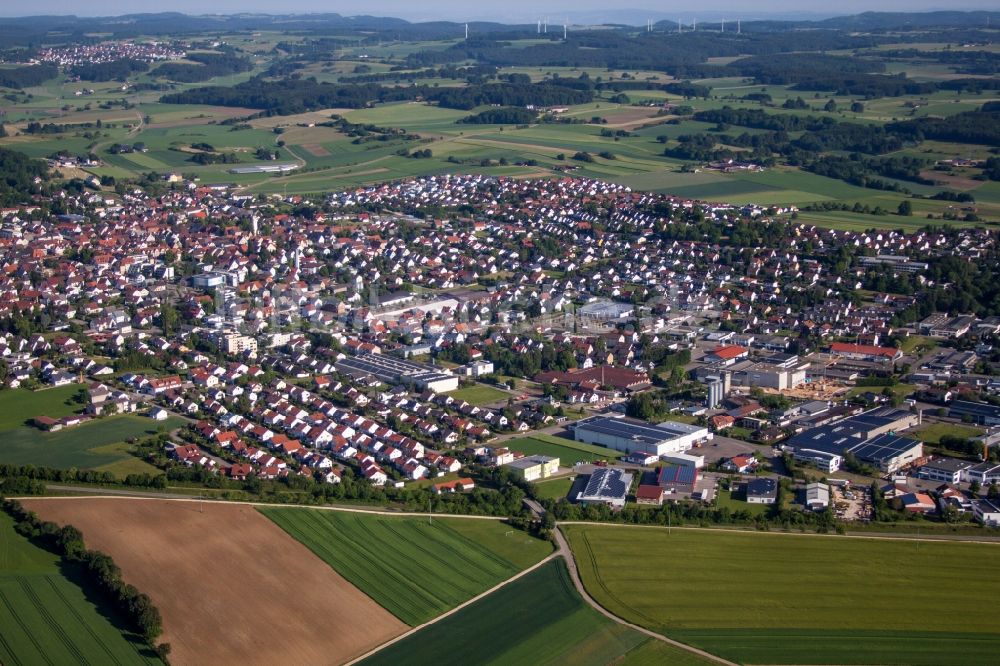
(562, 550)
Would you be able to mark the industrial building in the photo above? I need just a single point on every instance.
(817, 496)
(631, 436)
(821, 460)
(533, 468)
(264, 168)
(677, 479)
(393, 370)
(608, 485)
(979, 412)
(946, 470)
(869, 436)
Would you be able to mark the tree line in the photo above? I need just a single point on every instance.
(291, 96)
(67, 542)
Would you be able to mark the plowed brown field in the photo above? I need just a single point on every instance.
(233, 587)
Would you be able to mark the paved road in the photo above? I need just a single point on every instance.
(574, 574)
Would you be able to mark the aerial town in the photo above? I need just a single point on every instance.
(627, 339)
(323, 340)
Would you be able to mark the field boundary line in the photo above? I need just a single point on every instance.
(881, 536)
(454, 610)
(377, 512)
(567, 554)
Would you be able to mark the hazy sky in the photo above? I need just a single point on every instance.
(508, 10)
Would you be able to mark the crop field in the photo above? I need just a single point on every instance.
(568, 451)
(232, 587)
(479, 394)
(415, 568)
(45, 617)
(84, 446)
(777, 598)
(537, 619)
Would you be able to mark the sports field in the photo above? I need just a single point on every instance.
(46, 618)
(537, 619)
(414, 567)
(232, 587)
(804, 599)
(568, 451)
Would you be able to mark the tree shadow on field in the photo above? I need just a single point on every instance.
(77, 575)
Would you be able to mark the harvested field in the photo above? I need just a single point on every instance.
(231, 585)
(315, 150)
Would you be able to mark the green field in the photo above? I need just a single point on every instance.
(415, 568)
(46, 618)
(480, 394)
(931, 433)
(84, 446)
(19, 406)
(568, 451)
(555, 488)
(778, 598)
(537, 619)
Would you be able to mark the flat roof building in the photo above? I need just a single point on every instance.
(630, 436)
(677, 479)
(533, 468)
(980, 412)
(946, 470)
(822, 460)
(869, 436)
(393, 370)
(608, 485)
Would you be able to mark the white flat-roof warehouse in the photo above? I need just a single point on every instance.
(632, 436)
(400, 371)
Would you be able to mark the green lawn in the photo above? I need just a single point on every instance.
(415, 568)
(480, 394)
(18, 406)
(568, 451)
(554, 488)
(84, 446)
(778, 598)
(46, 618)
(899, 390)
(931, 433)
(914, 342)
(735, 501)
(538, 619)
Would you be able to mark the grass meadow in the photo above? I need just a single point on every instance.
(762, 598)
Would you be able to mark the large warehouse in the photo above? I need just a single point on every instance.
(870, 437)
(393, 370)
(632, 436)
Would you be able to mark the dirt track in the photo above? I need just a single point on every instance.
(233, 588)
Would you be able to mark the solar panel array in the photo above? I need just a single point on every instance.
(608, 484)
